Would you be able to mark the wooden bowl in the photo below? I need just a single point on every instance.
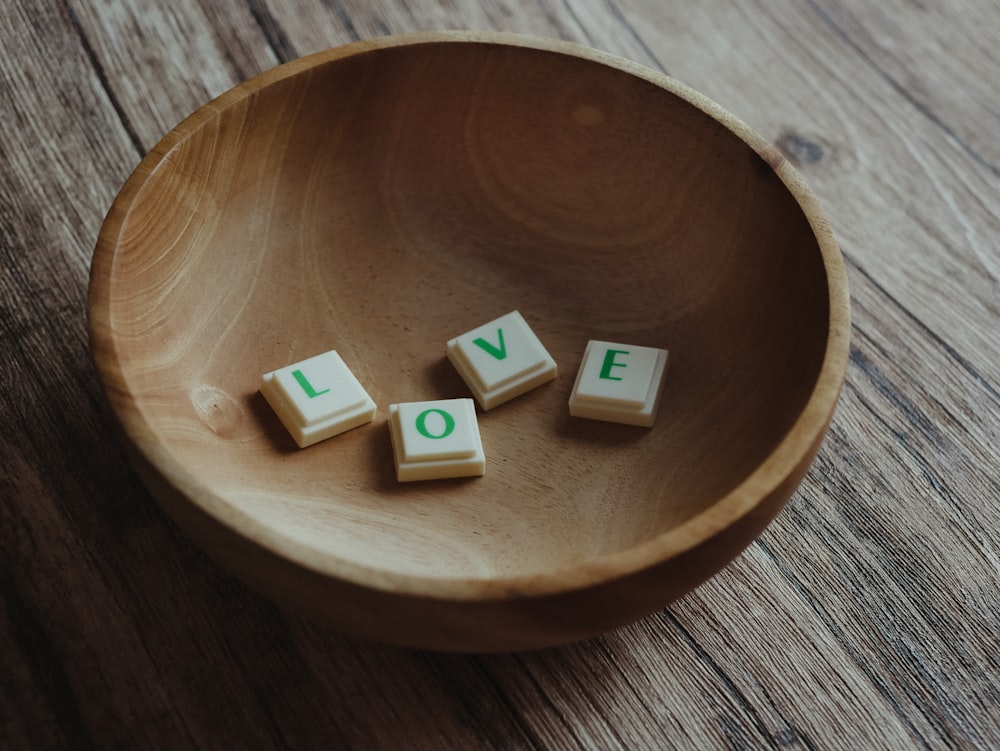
(381, 198)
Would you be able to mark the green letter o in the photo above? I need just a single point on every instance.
(449, 424)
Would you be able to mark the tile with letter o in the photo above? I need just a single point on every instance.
(436, 439)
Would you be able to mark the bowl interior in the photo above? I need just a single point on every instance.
(382, 202)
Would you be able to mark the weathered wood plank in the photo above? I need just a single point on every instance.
(159, 62)
(866, 616)
(939, 58)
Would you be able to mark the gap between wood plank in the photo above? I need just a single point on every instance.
(102, 78)
(831, 625)
(950, 352)
(902, 91)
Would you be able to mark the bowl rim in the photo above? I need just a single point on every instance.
(794, 450)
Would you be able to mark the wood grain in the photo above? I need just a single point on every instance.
(373, 198)
(866, 616)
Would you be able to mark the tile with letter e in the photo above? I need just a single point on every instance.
(436, 439)
(317, 398)
(501, 359)
(619, 383)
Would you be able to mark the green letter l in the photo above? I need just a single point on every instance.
(306, 386)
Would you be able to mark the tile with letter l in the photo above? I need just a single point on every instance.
(317, 398)
(619, 383)
(501, 359)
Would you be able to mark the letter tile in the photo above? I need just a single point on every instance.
(619, 383)
(436, 439)
(501, 359)
(317, 398)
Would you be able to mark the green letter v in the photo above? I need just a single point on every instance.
(498, 352)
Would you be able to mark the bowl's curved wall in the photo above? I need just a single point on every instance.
(384, 200)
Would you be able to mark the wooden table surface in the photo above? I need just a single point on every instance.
(866, 616)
